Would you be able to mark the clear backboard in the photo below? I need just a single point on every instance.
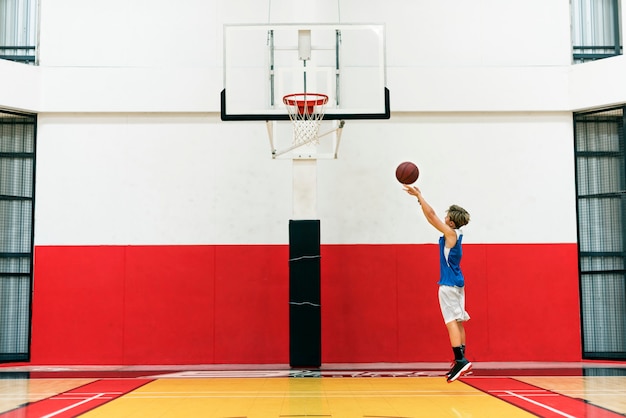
(264, 63)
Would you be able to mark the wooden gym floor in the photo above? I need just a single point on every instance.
(587, 389)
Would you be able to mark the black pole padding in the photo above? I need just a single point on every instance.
(305, 319)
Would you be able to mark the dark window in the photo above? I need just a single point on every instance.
(595, 29)
(601, 196)
(18, 30)
(17, 178)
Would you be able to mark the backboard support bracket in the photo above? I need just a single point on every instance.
(308, 150)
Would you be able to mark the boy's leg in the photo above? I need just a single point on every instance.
(452, 303)
(462, 331)
(456, 332)
(462, 328)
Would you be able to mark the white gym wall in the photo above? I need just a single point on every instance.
(129, 133)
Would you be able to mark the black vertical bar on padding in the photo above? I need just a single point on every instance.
(305, 316)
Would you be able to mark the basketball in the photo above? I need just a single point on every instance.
(407, 173)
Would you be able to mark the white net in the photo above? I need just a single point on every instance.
(306, 111)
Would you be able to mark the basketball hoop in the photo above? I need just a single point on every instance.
(306, 111)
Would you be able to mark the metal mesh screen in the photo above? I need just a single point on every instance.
(601, 179)
(17, 174)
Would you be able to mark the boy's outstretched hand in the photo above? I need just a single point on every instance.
(412, 190)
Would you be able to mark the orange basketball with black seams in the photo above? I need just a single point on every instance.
(407, 172)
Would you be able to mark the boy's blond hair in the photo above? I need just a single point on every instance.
(458, 215)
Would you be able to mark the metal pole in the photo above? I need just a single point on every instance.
(616, 28)
(337, 84)
(270, 40)
(304, 76)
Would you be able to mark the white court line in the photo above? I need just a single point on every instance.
(71, 398)
(295, 396)
(67, 408)
(82, 395)
(549, 408)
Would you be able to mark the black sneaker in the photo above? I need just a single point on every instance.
(460, 368)
(451, 366)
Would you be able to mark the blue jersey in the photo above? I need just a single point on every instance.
(450, 266)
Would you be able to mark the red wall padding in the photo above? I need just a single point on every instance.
(219, 304)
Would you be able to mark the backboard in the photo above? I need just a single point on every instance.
(264, 63)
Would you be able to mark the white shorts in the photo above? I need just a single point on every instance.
(452, 303)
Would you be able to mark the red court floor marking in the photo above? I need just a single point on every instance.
(541, 402)
(77, 401)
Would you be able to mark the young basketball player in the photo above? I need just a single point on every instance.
(451, 280)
